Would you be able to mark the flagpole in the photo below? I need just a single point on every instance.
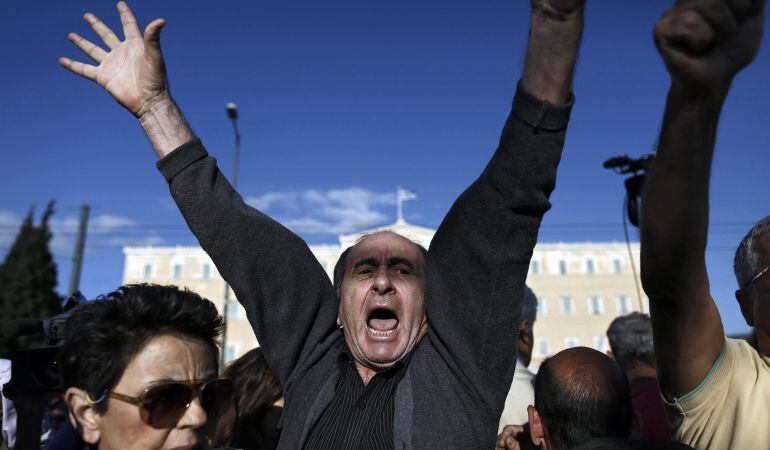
(399, 203)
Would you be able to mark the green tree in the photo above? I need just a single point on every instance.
(28, 279)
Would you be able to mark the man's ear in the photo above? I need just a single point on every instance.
(609, 353)
(83, 415)
(536, 429)
(747, 306)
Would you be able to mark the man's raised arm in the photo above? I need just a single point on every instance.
(704, 44)
(287, 295)
(478, 260)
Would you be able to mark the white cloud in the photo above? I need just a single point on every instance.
(110, 222)
(104, 231)
(139, 241)
(332, 211)
(265, 201)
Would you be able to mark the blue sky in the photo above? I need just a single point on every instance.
(341, 101)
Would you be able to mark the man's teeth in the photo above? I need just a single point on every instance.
(381, 332)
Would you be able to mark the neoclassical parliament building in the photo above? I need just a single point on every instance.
(581, 286)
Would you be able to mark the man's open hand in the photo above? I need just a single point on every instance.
(705, 43)
(132, 71)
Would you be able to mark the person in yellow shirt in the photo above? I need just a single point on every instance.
(716, 389)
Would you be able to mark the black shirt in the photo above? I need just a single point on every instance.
(360, 416)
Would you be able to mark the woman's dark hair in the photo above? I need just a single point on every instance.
(256, 389)
(102, 336)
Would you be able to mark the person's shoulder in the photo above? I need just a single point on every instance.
(743, 355)
(613, 443)
(523, 373)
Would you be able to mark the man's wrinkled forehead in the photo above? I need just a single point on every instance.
(385, 248)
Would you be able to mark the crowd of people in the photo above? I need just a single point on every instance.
(416, 348)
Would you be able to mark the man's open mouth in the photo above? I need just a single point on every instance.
(382, 322)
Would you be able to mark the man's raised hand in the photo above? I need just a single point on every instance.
(132, 71)
(705, 43)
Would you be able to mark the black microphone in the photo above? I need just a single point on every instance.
(22, 327)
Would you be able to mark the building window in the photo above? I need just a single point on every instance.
(568, 306)
(147, 271)
(562, 267)
(176, 271)
(206, 271)
(542, 307)
(617, 266)
(601, 344)
(543, 348)
(232, 351)
(590, 266)
(623, 304)
(595, 305)
(534, 267)
(571, 341)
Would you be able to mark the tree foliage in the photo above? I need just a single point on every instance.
(28, 278)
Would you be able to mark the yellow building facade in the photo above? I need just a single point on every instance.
(580, 287)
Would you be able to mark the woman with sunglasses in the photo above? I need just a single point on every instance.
(140, 370)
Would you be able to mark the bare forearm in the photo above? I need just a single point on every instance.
(675, 207)
(166, 127)
(686, 324)
(552, 50)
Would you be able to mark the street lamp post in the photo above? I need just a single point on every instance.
(232, 114)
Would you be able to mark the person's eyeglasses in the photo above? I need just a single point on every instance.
(756, 277)
(162, 405)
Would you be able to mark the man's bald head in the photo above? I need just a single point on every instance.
(581, 394)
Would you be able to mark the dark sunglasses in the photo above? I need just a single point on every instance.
(163, 404)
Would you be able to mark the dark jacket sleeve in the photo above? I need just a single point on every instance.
(288, 297)
(479, 257)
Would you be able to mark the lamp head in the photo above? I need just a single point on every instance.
(232, 111)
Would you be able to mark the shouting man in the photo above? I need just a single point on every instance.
(413, 349)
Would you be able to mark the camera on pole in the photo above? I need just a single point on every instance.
(638, 169)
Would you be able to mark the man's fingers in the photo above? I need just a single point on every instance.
(687, 30)
(152, 32)
(719, 15)
(130, 26)
(89, 48)
(102, 30)
(511, 444)
(746, 9)
(84, 70)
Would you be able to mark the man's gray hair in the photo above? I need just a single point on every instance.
(630, 339)
(747, 263)
(529, 307)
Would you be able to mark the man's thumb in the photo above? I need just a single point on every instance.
(152, 32)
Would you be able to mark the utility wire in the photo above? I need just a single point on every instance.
(631, 254)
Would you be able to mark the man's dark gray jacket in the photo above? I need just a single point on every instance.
(455, 386)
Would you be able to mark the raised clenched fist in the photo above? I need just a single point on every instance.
(706, 42)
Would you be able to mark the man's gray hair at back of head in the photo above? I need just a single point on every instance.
(631, 342)
(529, 307)
(747, 263)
